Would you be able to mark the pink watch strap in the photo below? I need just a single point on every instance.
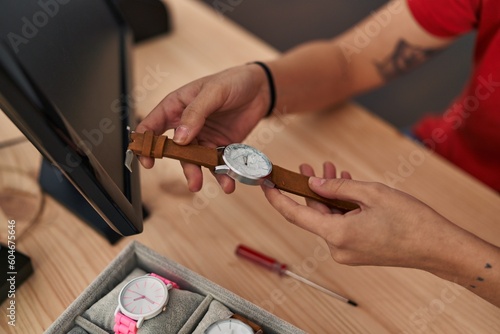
(124, 325)
(166, 281)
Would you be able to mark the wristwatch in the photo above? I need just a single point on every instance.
(237, 324)
(142, 298)
(241, 162)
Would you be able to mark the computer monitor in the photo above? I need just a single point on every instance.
(64, 80)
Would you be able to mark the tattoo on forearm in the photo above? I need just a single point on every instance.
(404, 58)
(479, 278)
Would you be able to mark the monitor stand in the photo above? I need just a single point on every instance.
(53, 182)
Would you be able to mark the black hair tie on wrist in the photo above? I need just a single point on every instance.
(272, 89)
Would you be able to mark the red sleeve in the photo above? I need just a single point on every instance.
(446, 18)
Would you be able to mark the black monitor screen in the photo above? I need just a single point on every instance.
(68, 60)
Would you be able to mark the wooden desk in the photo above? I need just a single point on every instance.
(201, 231)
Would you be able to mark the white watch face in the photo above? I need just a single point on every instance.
(247, 164)
(229, 326)
(143, 297)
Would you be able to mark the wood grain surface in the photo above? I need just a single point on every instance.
(201, 230)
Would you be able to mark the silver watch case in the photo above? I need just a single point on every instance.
(235, 171)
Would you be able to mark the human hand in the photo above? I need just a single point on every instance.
(213, 111)
(390, 228)
(329, 172)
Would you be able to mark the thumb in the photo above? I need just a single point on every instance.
(343, 189)
(194, 116)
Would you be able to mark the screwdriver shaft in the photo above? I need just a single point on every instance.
(316, 286)
(281, 268)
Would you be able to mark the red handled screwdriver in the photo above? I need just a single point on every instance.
(281, 269)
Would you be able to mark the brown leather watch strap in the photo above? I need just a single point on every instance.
(256, 328)
(298, 184)
(149, 145)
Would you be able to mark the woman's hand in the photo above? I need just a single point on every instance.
(214, 111)
(390, 228)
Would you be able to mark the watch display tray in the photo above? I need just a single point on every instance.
(137, 257)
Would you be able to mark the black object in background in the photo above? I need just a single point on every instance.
(10, 283)
(146, 18)
(53, 182)
(65, 83)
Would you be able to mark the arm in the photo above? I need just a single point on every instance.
(320, 74)
(223, 108)
(382, 233)
(310, 77)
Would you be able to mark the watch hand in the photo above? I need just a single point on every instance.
(245, 159)
(136, 292)
(141, 297)
(149, 300)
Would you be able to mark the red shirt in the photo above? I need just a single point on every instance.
(468, 133)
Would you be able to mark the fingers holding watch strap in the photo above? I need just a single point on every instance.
(298, 184)
(149, 145)
(328, 172)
